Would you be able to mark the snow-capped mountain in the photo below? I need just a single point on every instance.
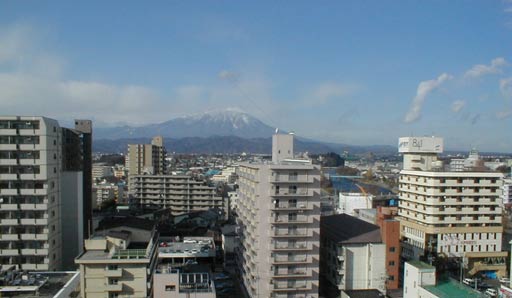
(229, 122)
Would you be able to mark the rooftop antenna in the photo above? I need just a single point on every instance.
(277, 130)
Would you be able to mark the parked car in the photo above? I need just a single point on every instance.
(468, 281)
(491, 292)
(505, 280)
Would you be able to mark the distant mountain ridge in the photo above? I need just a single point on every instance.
(225, 131)
(230, 122)
(233, 144)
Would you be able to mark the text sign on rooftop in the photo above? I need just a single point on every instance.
(420, 145)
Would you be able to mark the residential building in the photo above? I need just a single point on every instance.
(42, 170)
(146, 158)
(103, 192)
(278, 209)
(390, 232)
(100, 170)
(420, 282)
(184, 282)
(352, 254)
(119, 261)
(451, 214)
(180, 194)
(507, 192)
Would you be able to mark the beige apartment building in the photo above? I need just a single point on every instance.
(450, 214)
(279, 224)
(146, 158)
(180, 194)
(119, 262)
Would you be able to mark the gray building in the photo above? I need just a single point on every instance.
(180, 194)
(279, 224)
(41, 174)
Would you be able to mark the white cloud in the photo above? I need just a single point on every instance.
(481, 69)
(503, 114)
(458, 105)
(328, 91)
(424, 89)
(506, 86)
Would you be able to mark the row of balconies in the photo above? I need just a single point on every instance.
(292, 233)
(15, 237)
(450, 210)
(277, 220)
(292, 207)
(454, 200)
(24, 252)
(457, 219)
(23, 191)
(292, 287)
(288, 193)
(450, 191)
(291, 179)
(14, 207)
(287, 247)
(466, 181)
(303, 272)
(23, 221)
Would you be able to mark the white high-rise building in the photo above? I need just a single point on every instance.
(40, 175)
(279, 224)
(450, 214)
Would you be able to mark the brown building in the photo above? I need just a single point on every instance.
(390, 233)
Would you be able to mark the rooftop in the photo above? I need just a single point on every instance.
(421, 265)
(344, 228)
(37, 284)
(370, 293)
(449, 288)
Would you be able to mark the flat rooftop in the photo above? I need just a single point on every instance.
(421, 265)
(188, 248)
(39, 284)
(449, 288)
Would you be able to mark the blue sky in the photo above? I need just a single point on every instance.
(356, 72)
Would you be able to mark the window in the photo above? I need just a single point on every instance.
(391, 263)
(170, 288)
(392, 249)
(112, 267)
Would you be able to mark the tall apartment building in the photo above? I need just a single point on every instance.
(450, 214)
(180, 194)
(41, 174)
(279, 224)
(146, 158)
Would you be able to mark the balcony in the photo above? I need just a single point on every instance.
(9, 252)
(292, 273)
(286, 220)
(297, 247)
(289, 288)
(299, 193)
(114, 273)
(114, 288)
(291, 207)
(291, 234)
(296, 260)
(9, 222)
(8, 207)
(9, 237)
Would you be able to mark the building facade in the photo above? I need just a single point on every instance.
(146, 158)
(119, 263)
(352, 254)
(180, 194)
(41, 174)
(451, 214)
(278, 222)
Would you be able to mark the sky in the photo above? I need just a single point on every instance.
(353, 72)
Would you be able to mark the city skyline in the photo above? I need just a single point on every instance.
(356, 73)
